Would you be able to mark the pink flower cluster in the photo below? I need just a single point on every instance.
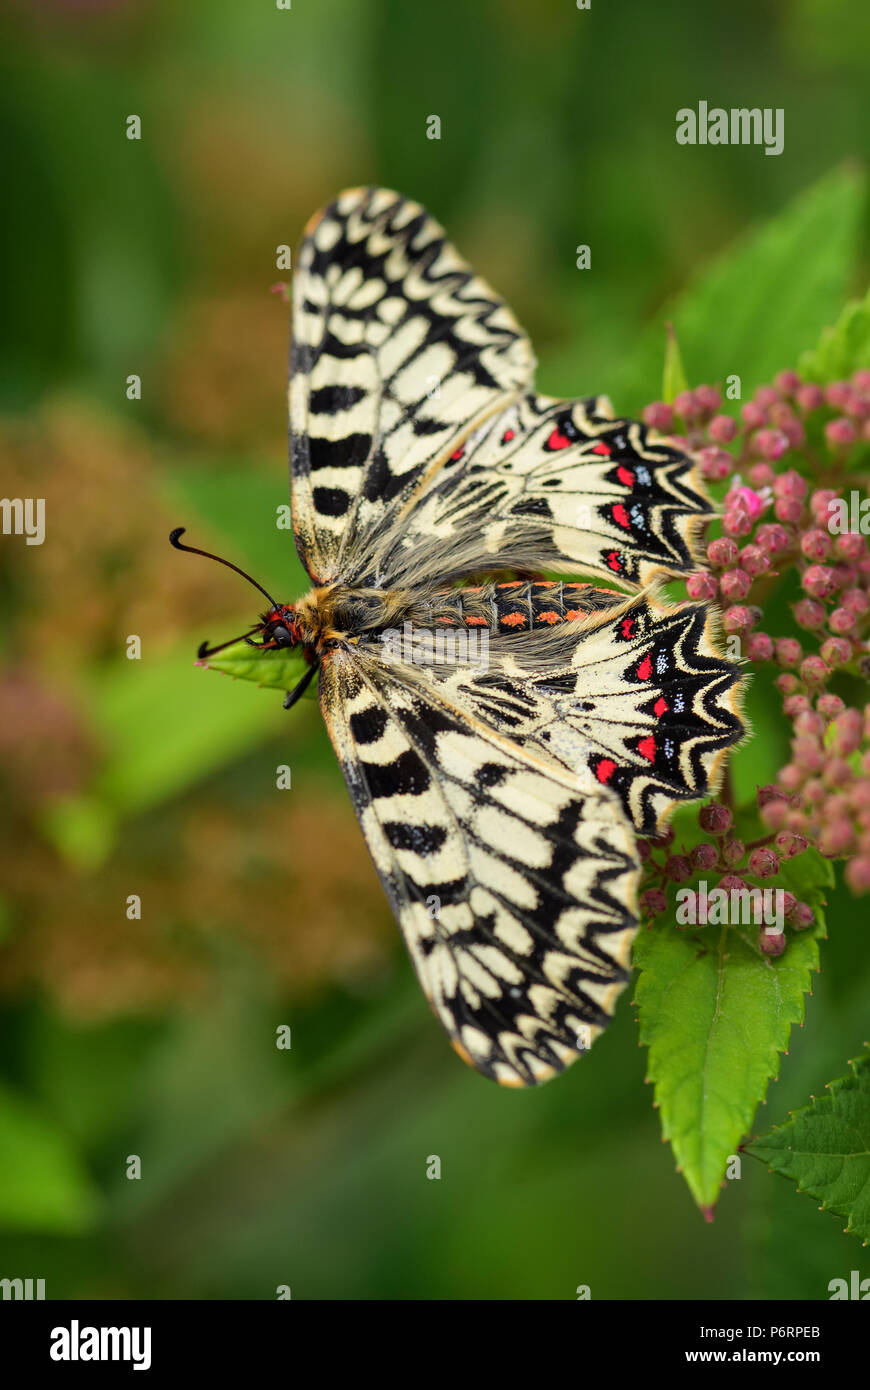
(793, 452)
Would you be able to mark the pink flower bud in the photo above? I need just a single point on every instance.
(659, 416)
(829, 706)
(836, 651)
(644, 850)
(838, 773)
(788, 651)
(735, 584)
(731, 883)
(770, 444)
(809, 722)
(775, 814)
(837, 394)
(801, 917)
(722, 552)
(753, 415)
(702, 585)
(789, 903)
(836, 839)
(722, 429)
(761, 475)
(708, 399)
(810, 397)
(653, 902)
(848, 732)
(686, 405)
(813, 670)
(814, 791)
(715, 818)
(759, 647)
(856, 600)
(850, 546)
(819, 581)
(795, 705)
(841, 621)
(790, 484)
(819, 503)
(861, 379)
(768, 793)
(737, 619)
(816, 545)
(704, 856)
(771, 943)
(732, 852)
(789, 844)
(809, 614)
(791, 777)
(754, 559)
(788, 509)
(788, 382)
(857, 406)
(715, 463)
(787, 683)
(858, 874)
(840, 432)
(772, 537)
(678, 868)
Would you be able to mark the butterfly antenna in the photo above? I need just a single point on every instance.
(174, 540)
(204, 651)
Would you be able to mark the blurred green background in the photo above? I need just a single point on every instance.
(156, 1037)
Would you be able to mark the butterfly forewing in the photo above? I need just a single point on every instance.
(398, 351)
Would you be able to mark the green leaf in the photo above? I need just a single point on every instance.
(277, 670)
(674, 377)
(751, 311)
(715, 1014)
(825, 1148)
(43, 1186)
(843, 348)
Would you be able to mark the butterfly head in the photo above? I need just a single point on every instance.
(277, 626)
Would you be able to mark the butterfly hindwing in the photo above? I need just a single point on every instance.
(551, 485)
(514, 891)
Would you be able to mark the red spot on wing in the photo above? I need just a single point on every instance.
(647, 748)
(644, 670)
(627, 626)
(457, 453)
(621, 517)
(604, 769)
(475, 622)
(625, 476)
(601, 449)
(660, 706)
(513, 620)
(507, 436)
(557, 440)
(550, 617)
(615, 562)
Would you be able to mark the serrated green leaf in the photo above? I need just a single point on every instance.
(673, 377)
(277, 670)
(843, 348)
(715, 1014)
(825, 1148)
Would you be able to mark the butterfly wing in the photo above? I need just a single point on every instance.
(514, 891)
(549, 485)
(632, 692)
(398, 351)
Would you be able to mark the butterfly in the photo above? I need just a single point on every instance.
(505, 737)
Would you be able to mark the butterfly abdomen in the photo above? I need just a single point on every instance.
(516, 606)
